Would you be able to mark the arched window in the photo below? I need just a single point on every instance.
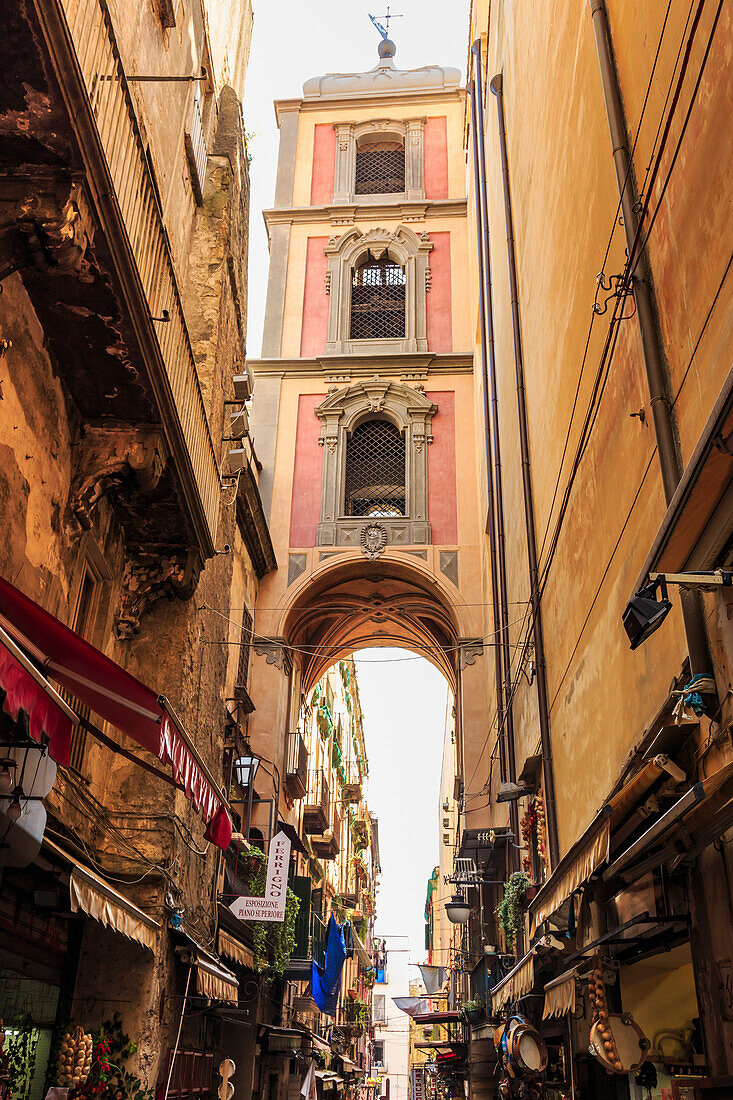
(377, 299)
(380, 167)
(375, 470)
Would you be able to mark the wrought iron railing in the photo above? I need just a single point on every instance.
(91, 31)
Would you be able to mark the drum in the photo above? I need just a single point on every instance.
(632, 1046)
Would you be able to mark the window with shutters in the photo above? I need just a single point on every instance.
(378, 299)
(375, 470)
(380, 167)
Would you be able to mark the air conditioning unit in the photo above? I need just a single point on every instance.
(243, 384)
(239, 423)
(446, 838)
(446, 823)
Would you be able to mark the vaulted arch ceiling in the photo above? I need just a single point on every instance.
(364, 604)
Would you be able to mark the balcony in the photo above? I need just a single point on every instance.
(327, 845)
(318, 800)
(296, 768)
(310, 945)
(81, 221)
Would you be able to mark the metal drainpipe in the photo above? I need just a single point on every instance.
(495, 606)
(493, 439)
(534, 583)
(669, 458)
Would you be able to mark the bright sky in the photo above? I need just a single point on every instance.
(297, 39)
(404, 701)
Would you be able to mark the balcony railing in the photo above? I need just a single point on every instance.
(196, 149)
(134, 191)
(296, 769)
(316, 810)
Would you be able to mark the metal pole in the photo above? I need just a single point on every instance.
(178, 1036)
(485, 247)
(651, 343)
(491, 519)
(534, 584)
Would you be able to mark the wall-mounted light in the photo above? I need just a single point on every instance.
(648, 608)
(458, 909)
(510, 792)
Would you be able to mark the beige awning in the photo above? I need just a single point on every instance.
(213, 980)
(577, 870)
(94, 896)
(560, 995)
(518, 983)
(235, 950)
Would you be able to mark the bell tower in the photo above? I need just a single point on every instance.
(364, 407)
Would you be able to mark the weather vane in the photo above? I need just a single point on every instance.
(384, 31)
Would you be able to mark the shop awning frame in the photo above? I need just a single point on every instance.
(697, 522)
(50, 718)
(560, 995)
(93, 895)
(212, 979)
(575, 868)
(118, 697)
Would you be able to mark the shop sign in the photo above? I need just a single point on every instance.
(271, 907)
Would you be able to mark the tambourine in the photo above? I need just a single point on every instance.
(632, 1045)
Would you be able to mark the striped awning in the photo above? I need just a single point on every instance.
(213, 980)
(518, 983)
(571, 873)
(234, 949)
(560, 995)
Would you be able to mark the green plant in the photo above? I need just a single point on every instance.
(360, 833)
(473, 1010)
(509, 909)
(270, 938)
(21, 1052)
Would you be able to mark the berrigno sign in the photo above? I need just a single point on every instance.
(272, 905)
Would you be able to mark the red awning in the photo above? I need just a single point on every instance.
(49, 718)
(437, 1017)
(118, 697)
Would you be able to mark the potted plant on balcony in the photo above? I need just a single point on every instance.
(510, 909)
(473, 1011)
(360, 833)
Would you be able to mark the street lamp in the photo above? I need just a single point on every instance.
(458, 909)
(245, 770)
(510, 792)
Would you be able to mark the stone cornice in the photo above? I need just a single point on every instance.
(332, 369)
(329, 103)
(403, 211)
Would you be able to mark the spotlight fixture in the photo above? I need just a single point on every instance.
(458, 909)
(511, 792)
(245, 770)
(645, 612)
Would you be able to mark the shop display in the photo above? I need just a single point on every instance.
(523, 1057)
(75, 1058)
(616, 1040)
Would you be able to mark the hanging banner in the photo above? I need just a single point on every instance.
(272, 905)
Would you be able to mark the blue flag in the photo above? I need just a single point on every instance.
(326, 979)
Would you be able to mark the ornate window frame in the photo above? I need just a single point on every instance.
(343, 253)
(410, 410)
(348, 134)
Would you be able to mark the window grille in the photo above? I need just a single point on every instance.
(375, 470)
(380, 168)
(378, 300)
